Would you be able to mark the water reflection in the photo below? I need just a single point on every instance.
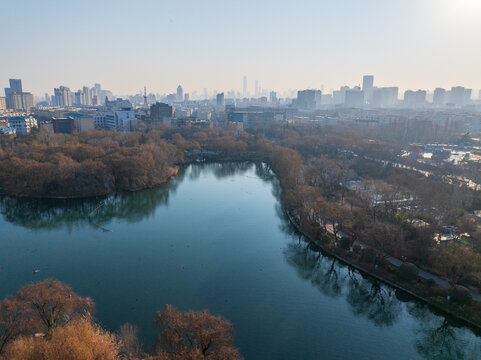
(42, 214)
(436, 336)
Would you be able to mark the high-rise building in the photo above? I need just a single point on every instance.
(368, 86)
(244, 92)
(414, 98)
(273, 97)
(459, 96)
(384, 97)
(256, 88)
(160, 111)
(62, 96)
(186, 97)
(180, 93)
(86, 96)
(220, 99)
(354, 97)
(22, 101)
(309, 99)
(439, 97)
(77, 98)
(3, 104)
(16, 85)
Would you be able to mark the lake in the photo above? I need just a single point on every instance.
(216, 238)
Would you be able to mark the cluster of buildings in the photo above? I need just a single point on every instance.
(15, 98)
(367, 105)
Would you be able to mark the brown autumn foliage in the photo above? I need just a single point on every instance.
(79, 340)
(48, 321)
(53, 303)
(193, 335)
(87, 164)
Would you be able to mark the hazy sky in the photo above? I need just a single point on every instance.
(285, 44)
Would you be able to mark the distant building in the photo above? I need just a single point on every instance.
(439, 97)
(121, 120)
(186, 97)
(82, 122)
(22, 101)
(3, 104)
(414, 98)
(117, 104)
(368, 87)
(180, 93)
(160, 111)
(354, 98)
(309, 99)
(384, 97)
(15, 87)
(220, 99)
(255, 116)
(273, 97)
(63, 97)
(459, 96)
(22, 124)
(63, 125)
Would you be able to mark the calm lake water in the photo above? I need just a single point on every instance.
(215, 238)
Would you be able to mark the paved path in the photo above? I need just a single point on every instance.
(397, 262)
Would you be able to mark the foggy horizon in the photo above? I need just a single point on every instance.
(285, 46)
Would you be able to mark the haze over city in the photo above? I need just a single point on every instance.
(125, 45)
(239, 180)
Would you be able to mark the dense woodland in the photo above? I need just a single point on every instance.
(314, 164)
(49, 321)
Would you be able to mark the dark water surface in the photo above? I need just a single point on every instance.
(215, 238)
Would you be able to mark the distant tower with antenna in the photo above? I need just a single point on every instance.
(145, 98)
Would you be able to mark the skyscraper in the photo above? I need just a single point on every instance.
(180, 93)
(256, 88)
(244, 92)
(15, 87)
(62, 96)
(86, 96)
(220, 99)
(22, 101)
(439, 97)
(367, 87)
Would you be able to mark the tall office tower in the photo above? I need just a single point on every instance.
(16, 85)
(3, 104)
(186, 97)
(309, 99)
(180, 93)
(256, 88)
(439, 97)
(220, 99)
(367, 87)
(273, 97)
(62, 96)
(205, 93)
(86, 96)
(47, 99)
(78, 98)
(244, 92)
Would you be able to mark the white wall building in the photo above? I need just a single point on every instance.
(22, 124)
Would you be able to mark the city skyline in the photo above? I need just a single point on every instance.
(410, 44)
